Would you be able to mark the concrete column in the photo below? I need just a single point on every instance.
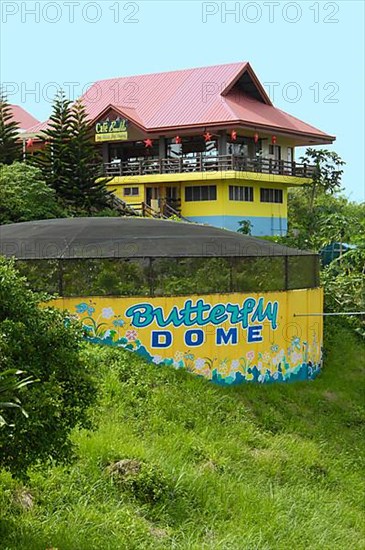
(162, 147)
(222, 142)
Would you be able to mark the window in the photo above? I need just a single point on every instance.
(201, 193)
(131, 191)
(271, 195)
(240, 193)
(275, 150)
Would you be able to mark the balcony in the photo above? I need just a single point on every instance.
(202, 163)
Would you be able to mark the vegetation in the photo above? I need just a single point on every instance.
(10, 384)
(68, 161)
(45, 344)
(25, 196)
(10, 150)
(179, 463)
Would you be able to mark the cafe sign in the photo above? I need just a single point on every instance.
(111, 130)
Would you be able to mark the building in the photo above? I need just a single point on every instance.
(24, 119)
(206, 144)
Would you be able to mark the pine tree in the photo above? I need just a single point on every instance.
(54, 159)
(69, 161)
(88, 188)
(10, 148)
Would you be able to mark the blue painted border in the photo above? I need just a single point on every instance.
(261, 225)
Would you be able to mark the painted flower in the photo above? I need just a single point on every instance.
(118, 323)
(189, 356)
(274, 348)
(260, 366)
(131, 335)
(235, 364)
(82, 308)
(107, 313)
(179, 356)
(296, 342)
(296, 358)
(157, 359)
(250, 355)
(199, 363)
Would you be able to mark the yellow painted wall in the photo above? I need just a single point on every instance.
(224, 207)
(290, 348)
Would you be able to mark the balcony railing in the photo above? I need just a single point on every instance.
(203, 163)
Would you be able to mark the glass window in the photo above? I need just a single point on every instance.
(240, 193)
(130, 191)
(271, 195)
(201, 193)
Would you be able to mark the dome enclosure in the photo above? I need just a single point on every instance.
(131, 282)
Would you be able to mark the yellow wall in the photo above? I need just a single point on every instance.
(225, 207)
(222, 206)
(290, 348)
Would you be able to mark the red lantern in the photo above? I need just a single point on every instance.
(148, 143)
(207, 136)
(233, 135)
(178, 140)
(29, 143)
(273, 140)
(256, 137)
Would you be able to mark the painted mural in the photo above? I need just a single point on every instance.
(228, 339)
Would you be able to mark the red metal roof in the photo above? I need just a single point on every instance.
(202, 97)
(24, 119)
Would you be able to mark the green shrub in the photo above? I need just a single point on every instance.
(24, 195)
(38, 340)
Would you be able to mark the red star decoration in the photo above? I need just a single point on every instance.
(256, 137)
(178, 139)
(273, 140)
(29, 143)
(233, 135)
(207, 136)
(148, 142)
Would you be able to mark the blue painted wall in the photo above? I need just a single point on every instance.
(261, 226)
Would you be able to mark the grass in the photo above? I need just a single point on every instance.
(252, 467)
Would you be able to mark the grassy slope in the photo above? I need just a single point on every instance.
(273, 467)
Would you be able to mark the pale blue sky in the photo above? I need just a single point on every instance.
(318, 46)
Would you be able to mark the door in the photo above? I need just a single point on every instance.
(153, 197)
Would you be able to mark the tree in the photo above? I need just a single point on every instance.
(311, 204)
(327, 174)
(54, 159)
(88, 190)
(46, 344)
(25, 196)
(10, 148)
(245, 227)
(344, 284)
(69, 161)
